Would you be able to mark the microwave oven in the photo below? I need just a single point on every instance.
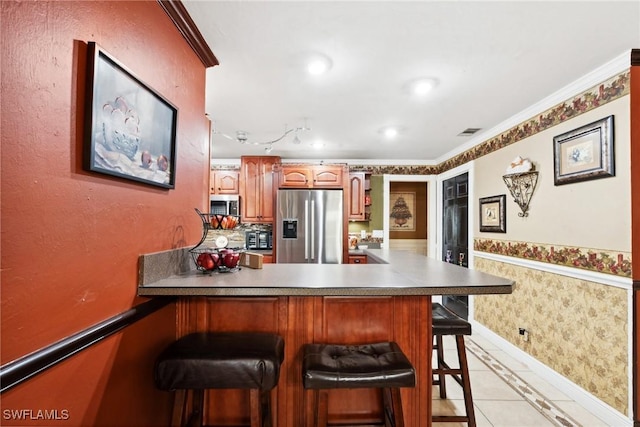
(225, 204)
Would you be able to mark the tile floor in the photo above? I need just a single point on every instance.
(506, 393)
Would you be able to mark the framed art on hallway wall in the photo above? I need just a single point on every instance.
(130, 129)
(584, 153)
(492, 214)
(403, 211)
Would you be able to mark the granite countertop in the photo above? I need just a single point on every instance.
(399, 273)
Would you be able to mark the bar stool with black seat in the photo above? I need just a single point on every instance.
(445, 322)
(380, 365)
(221, 360)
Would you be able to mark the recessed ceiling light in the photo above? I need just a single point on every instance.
(390, 132)
(421, 86)
(319, 64)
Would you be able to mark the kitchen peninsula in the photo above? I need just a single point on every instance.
(387, 300)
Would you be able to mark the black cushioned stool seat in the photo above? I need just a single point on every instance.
(221, 360)
(445, 322)
(381, 365)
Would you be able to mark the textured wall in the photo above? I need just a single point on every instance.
(570, 214)
(577, 328)
(71, 238)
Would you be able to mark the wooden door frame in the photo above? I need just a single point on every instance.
(634, 106)
(430, 180)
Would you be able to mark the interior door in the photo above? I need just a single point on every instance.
(455, 234)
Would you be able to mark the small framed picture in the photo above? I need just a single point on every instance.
(584, 153)
(130, 129)
(493, 216)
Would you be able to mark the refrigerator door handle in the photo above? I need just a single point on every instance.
(313, 228)
(306, 230)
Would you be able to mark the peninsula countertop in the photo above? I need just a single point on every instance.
(397, 273)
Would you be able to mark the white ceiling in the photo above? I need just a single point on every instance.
(491, 59)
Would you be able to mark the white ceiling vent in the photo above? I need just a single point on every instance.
(469, 131)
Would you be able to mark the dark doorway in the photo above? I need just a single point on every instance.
(455, 234)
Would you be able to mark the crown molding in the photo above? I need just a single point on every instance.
(183, 22)
(616, 66)
(635, 57)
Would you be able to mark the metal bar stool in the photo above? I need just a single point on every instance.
(445, 322)
(221, 360)
(380, 365)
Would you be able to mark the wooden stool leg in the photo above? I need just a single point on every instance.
(466, 382)
(197, 409)
(392, 407)
(387, 407)
(179, 408)
(260, 408)
(442, 383)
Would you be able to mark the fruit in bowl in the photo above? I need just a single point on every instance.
(208, 261)
(226, 222)
(216, 221)
(229, 222)
(231, 259)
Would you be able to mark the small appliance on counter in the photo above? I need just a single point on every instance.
(259, 239)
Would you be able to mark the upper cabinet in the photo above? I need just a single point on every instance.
(256, 188)
(359, 196)
(224, 182)
(312, 176)
(356, 196)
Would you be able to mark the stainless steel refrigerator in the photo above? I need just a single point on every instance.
(309, 226)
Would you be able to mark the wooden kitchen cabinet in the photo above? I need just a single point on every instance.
(357, 259)
(307, 319)
(356, 196)
(224, 182)
(312, 176)
(359, 196)
(256, 188)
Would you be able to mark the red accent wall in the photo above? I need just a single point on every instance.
(71, 238)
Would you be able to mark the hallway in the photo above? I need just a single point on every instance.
(507, 393)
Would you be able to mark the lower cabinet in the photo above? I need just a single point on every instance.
(357, 259)
(308, 319)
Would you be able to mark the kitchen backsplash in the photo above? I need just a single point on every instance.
(236, 237)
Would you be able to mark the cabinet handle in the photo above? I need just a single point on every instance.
(356, 261)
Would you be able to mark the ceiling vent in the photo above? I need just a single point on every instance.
(469, 131)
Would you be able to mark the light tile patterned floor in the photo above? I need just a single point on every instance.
(506, 393)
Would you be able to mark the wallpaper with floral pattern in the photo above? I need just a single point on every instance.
(601, 261)
(595, 97)
(576, 327)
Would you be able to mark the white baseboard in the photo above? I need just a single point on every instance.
(596, 406)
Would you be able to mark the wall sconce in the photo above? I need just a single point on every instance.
(521, 186)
